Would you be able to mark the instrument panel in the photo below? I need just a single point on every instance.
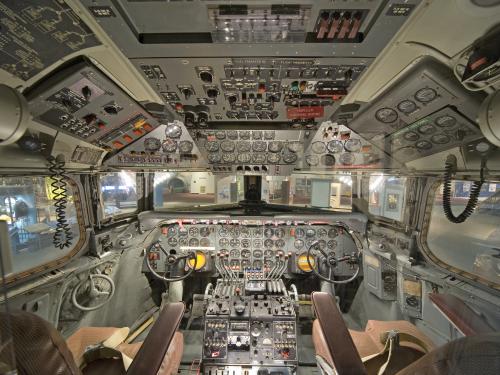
(256, 246)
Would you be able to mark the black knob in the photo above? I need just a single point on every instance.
(187, 92)
(206, 77)
(212, 93)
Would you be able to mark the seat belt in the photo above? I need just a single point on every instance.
(107, 349)
(391, 340)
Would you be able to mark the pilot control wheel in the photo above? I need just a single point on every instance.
(330, 260)
(172, 260)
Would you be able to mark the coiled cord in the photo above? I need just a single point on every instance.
(450, 167)
(63, 235)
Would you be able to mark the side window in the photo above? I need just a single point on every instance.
(27, 206)
(387, 196)
(119, 193)
(471, 246)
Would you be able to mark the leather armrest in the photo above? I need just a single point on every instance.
(460, 315)
(344, 354)
(150, 356)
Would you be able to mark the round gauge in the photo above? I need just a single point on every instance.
(227, 146)
(269, 135)
(347, 159)
(232, 134)
(310, 232)
(223, 242)
(245, 232)
(204, 242)
(228, 158)
(245, 243)
(245, 253)
(244, 134)
(321, 232)
(257, 264)
(152, 144)
(294, 146)
(312, 160)
(268, 253)
(259, 146)
(318, 148)
(298, 244)
(234, 253)
(268, 243)
(386, 115)
(440, 139)
(427, 129)
(280, 243)
(243, 146)
(273, 158)
(235, 232)
(200, 262)
(171, 231)
(289, 157)
(234, 242)
(212, 146)
(257, 134)
(335, 146)
(423, 145)
(204, 231)
(259, 158)
(245, 263)
(352, 145)
(193, 242)
(257, 243)
(173, 130)
(169, 145)
(185, 147)
(220, 134)
(183, 241)
(193, 231)
(332, 244)
(407, 106)
(275, 146)
(224, 231)
(299, 233)
(322, 244)
(257, 232)
(328, 160)
(172, 241)
(411, 136)
(257, 253)
(426, 95)
(268, 232)
(234, 264)
(446, 121)
(213, 157)
(304, 262)
(279, 232)
(244, 157)
(333, 232)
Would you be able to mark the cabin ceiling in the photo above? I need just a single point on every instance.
(188, 85)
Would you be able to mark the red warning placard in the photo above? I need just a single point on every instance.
(305, 112)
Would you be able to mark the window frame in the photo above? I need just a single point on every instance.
(466, 276)
(77, 247)
(139, 185)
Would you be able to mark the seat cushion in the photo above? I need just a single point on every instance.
(368, 342)
(172, 360)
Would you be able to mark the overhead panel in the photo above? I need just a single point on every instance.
(81, 101)
(35, 35)
(425, 112)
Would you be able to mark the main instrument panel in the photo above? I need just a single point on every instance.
(255, 247)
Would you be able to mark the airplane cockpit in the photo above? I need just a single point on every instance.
(249, 187)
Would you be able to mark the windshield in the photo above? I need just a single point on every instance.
(474, 245)
(198, 189)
